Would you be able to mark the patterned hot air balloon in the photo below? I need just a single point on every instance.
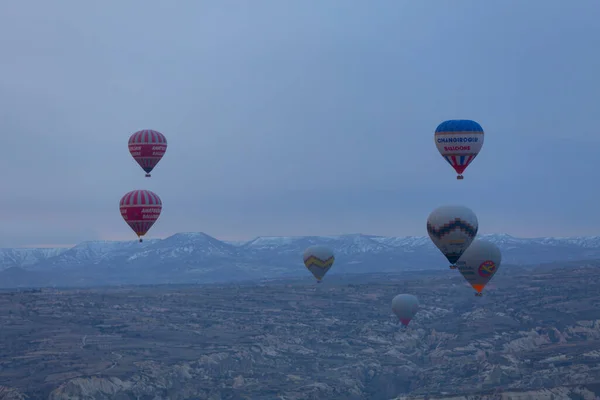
(479, 264)
(405, 306)
(147, 147)
(140, 209)
(318, 260)
(459, 141)
(452, 229)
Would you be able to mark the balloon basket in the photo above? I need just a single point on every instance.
(147, 175)
(478, 294)
(141, 240)
(453, 267)
(459, 177)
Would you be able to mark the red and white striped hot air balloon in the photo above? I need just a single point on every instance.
(140, 209)
(147, 147)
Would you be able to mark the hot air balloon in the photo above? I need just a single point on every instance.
(140, 209)
(405, 306)
(318, 260)
(479, 263)
(147, 147)
(452, 229)
(459, 141)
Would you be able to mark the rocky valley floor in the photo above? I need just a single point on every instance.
(535, 334)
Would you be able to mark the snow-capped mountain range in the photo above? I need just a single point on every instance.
(198, 257)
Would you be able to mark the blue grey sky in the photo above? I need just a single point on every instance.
(297, 117)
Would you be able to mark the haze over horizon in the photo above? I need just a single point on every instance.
(284, 119)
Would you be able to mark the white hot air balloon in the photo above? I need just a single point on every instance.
(459, 141)
(479, 263)
(452, 229)
(318, 260)
(405, 306)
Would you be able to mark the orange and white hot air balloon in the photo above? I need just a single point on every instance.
(479, 263)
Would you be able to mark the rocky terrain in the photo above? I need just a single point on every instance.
(535, 334)
(200, 258)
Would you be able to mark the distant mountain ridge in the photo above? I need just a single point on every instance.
(198, 257)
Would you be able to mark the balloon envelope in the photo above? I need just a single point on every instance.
(452, 229)
(479, 263)
(140, 209)
(405, 306)
(459, 141)
(147, 147)
(318, 260)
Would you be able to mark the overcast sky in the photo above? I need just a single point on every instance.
(297, 117)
